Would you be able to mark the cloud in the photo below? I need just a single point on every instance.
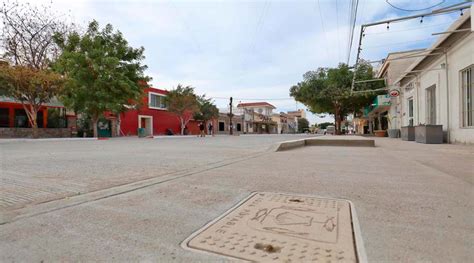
(251, 49)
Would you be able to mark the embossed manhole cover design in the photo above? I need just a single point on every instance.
(284, 228)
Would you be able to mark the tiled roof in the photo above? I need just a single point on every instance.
(255, 104)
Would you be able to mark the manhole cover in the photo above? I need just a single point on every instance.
(284, 228)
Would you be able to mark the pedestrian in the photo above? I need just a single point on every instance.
(201, 129)
(210, 128)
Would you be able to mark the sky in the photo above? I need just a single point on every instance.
(254, 50)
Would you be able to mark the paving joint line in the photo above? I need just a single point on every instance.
(187, 173)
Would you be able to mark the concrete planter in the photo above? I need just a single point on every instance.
(393, 133)
(408, 133)
(430, 134)
(380, 133)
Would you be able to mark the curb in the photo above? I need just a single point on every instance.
(290, 145)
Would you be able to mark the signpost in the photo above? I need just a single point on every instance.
(394, 93)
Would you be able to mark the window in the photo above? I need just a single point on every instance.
(221, 126)
(431, 105)
(21, 119)
(239, 127)
(156, 101)
(4, 117)
(467, 86)
(410, 112)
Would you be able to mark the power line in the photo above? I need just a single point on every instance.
(415, 10)
(442, 11)
(399, 43)
(351, 36)
(404, 30)
(324, 29)
(338, 38)
(259, 25)
(186, 26)
(261, 99)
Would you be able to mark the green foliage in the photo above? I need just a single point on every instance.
(207, 110)
(328, 90)
(303, 125)
(324, 125)
(31, 87)
(183, 102)
(103, 72)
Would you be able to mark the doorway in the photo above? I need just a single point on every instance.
(146, 122)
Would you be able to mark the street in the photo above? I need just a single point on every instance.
(131, 199)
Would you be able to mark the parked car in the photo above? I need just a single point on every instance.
(330, 130)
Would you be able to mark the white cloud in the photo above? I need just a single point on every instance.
(249, 49)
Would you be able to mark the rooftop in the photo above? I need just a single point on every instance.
(255, 104)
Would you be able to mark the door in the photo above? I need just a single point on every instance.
(431, 105)
(410, 112)
(104, 128)
(146, 122)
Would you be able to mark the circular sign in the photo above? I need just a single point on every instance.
(394, 93)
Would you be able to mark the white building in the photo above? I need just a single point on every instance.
(258, 117)
(437, 88)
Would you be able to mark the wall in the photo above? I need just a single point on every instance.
(162, 119)
(224, 118)
(459, 56)
(42, 132)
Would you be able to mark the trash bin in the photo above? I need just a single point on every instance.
(141, 132)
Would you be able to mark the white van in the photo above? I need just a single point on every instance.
(331, 129)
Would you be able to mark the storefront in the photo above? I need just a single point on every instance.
(377, 114)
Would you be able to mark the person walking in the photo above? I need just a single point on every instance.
(210, 128)
(201, 129)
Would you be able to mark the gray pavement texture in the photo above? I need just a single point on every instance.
(140, 198)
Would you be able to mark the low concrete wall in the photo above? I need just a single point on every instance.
(42, 132)
(338, 142)
(324, 141)
(284, 146)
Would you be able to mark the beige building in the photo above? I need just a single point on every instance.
(257, 117)
(385, 113)
(222, 125)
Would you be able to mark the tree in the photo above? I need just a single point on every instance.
(328, 90)
(207, 110)
(324, 125)
(27, 34)
(27, 41)
(303, 125)
(183, 103)
(104, 74)
(31, 87)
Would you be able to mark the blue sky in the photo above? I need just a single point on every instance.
(253, 49)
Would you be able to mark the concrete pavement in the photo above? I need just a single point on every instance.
(414, 202)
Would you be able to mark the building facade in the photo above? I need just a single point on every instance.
(153, 117)
(53, 120)
(223, 125)
(437, 89)
(257, 117)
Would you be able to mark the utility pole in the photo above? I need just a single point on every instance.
(231, 126)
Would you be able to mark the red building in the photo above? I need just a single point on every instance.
(153, 117)
(13, 115)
